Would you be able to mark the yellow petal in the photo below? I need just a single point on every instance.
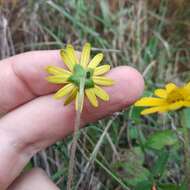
(76, 103)
(101, 70)
(57, 70)
(150, 101)
(85, 55)
(104, 81)
(186, 91)
(102, 94)
(64, 91)
(66, 59)
(96, 61)
(186, 103)
(187, 86)
(91, 96)
(58, 79)
(169, 87)
(160, 109)
(71, 54)
(176, 105)
(71, 96)
(160, 93)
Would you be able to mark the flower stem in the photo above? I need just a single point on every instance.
(186, 147)
(75, 134)
(186, 159)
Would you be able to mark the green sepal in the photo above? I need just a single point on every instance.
(78, 73)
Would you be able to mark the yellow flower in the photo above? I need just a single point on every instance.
(77, 69)
(168, 99)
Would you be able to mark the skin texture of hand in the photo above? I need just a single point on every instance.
(33, 120)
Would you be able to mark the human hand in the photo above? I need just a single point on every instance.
(33, 120)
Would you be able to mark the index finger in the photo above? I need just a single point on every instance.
(22, 77)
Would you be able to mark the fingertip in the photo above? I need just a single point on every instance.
(129, 84)
(128, 87)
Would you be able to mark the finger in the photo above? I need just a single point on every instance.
(22, 77)
(35, 179)
(44, 120)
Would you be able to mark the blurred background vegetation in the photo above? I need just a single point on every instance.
(126, 150)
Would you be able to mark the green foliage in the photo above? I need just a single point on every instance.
(185, 117)
(132, 168)
(160, 164)
(158, 140)
(172, 187)
(143, 185)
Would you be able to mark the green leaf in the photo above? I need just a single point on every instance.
(169, 187)
(186, 117)
(133, 132)
(160, 164)
(184, 186)
(131, 169)
(104, 5)
(135, 113)
(159, 140)
(144, 185)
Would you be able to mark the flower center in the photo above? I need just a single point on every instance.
(175, 96)
(78, 73)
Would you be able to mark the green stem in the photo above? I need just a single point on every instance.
(75, 135)
(186, 148)
(186, 160)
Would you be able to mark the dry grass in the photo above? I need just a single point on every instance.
(152, 36)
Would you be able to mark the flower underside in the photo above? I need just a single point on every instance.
(79, 73)
(78, 70)
(168, 99)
